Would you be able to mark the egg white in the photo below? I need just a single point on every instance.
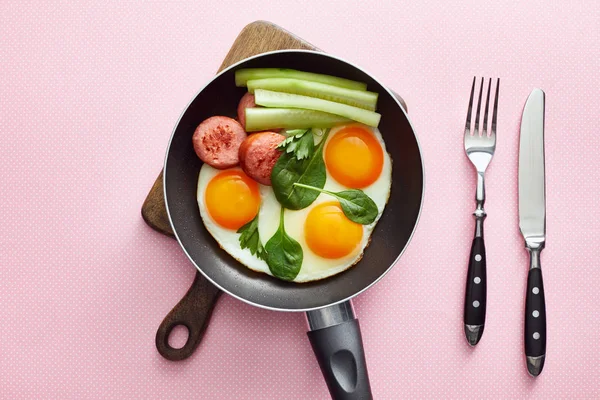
(313, 267)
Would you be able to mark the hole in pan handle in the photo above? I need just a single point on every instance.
(193, 312)
(337, 343)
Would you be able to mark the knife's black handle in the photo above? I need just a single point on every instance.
(535, 321)
(476, 292)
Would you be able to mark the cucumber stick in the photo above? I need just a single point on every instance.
(259, 119)
(268, 98)
(358, 98)
(244, 75)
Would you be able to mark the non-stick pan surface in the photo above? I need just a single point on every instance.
(390, 237)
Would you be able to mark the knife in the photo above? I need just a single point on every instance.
(532, 223)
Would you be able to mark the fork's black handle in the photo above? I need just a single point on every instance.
(476, 292)
(535, 322)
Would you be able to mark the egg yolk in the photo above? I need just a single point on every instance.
(354, 157)
(329, 233)
(232, 199)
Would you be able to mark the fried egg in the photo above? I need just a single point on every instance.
(355, 157)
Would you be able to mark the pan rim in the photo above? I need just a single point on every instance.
(350, 297)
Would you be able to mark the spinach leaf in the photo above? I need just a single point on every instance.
(289, 170)
(356, 205)
(300, 142)
(250, 239)
(284, 254)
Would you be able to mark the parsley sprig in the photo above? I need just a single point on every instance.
(250, 239)
(300, 142)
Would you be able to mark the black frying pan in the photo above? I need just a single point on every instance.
(334, 331)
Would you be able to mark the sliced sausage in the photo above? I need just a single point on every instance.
(258, 154)
(217, 141)
(247, 101)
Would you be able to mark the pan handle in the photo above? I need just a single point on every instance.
(337, 343)
(193, 312)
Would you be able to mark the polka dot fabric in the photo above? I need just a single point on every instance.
(90, 92)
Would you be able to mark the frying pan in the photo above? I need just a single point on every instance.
(334, 331)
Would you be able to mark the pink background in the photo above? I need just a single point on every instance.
(89, 95)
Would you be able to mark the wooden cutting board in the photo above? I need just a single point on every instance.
(194, 310)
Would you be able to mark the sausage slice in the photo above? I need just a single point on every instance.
(217, 141)
(247, 101)
(258, 155)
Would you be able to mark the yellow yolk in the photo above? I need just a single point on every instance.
(329, 233)
(232, 199)
(354, 157)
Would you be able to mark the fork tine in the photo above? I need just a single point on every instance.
(495, 114)
(476, 133)
(468, 123)
(487, 106)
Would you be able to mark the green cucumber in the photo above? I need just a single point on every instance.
(268, 98)
(260, 119)
(358, 98)
(244, 75)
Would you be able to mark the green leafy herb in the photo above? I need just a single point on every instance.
(250, 239)
(304, 147)
(284, 254)
(289, 170)
(300, 142)
(294, 132)
(356, 205)
(290, 135)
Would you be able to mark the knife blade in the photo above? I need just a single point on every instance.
(532, 223)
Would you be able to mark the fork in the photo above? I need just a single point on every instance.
(479, 147)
